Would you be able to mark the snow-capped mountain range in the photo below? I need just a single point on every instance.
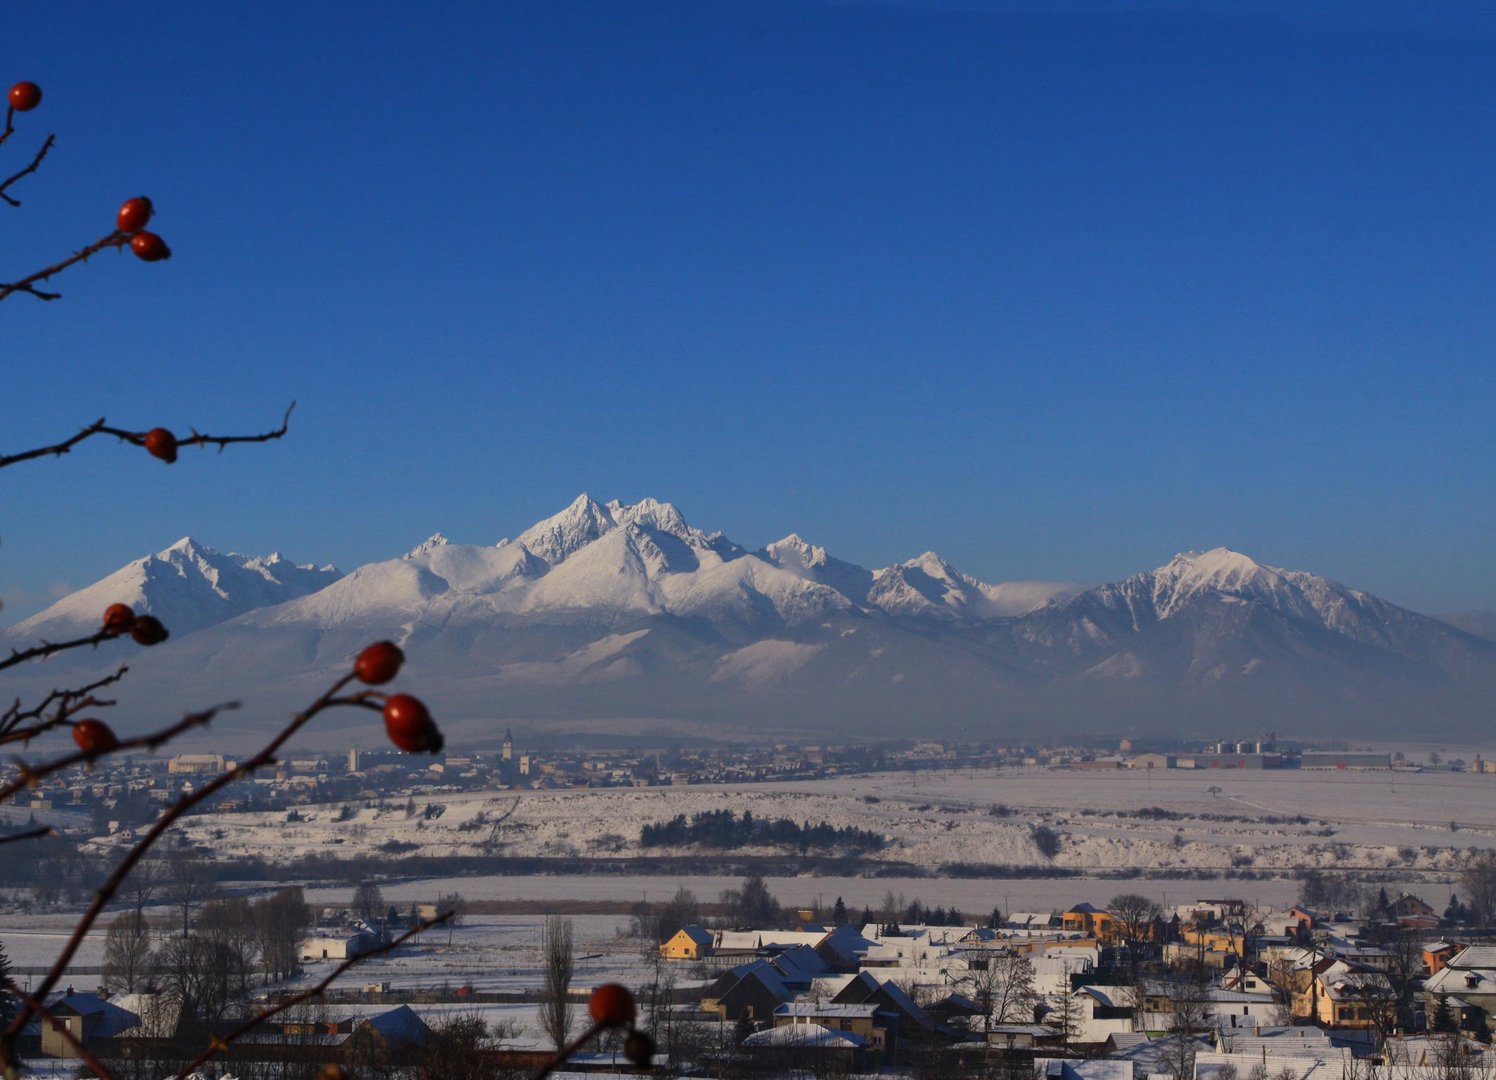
(626, 616)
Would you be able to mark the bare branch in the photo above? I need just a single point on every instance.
(27, 284)
(31, 774)
(137, 438)
(106, 891)
(60, 1027)
(27, 171)
(219, 1045)
(47, 648)
(69, 702)
(29, 834)
(564, 1054)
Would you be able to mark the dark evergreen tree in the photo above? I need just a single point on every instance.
(7, 1002)
(839, 913)
(1443, 1019)
(995, 920)
(867, 916)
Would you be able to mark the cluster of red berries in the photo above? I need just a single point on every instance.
(145, 629)
(133, 215)
(131, 219)
(612, 1006)
(407, 721)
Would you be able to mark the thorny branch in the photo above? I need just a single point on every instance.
(565, 1053)
(137, 438)
(47, 648)
(29, 775)
(27, 171)
(27, 284)
(10, 124)
(221, 1044)
(68, 703)
(30, 834)
(186, 802)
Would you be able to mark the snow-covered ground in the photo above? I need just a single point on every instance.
(1153, 821)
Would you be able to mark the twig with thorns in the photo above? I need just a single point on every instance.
(69, 703)
(266, 756)
(30, 775)
(221, 1044)
(27, 171)
(137, 438)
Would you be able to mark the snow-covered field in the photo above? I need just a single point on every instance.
(1156, 822)
(1152, 823)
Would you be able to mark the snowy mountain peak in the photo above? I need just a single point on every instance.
(933, 565)
(796, 551)
(651, 514)
(188, 586)
(431, 543)
(559, 535)
(1219, 569)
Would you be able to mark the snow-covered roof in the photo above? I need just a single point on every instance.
(806, 1035)
(399, 1025)
(1474, 956)
(1082, 1069)
(811, 1008)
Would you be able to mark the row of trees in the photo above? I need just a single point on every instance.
(724, 830)
(212, 966)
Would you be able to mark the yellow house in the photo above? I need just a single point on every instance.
(689, 943)
(1086, 919)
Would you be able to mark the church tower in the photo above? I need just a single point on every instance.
(508, 751)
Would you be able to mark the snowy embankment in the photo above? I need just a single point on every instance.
(1157, 823)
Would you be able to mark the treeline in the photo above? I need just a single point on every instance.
(724, 830)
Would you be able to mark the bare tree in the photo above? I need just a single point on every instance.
(368, 903)
(751, 905)
(682, 909)
(1133, 915)
(1190, 1008)
(1005, 989)
(454, 903)
(278, 921)
(127, 953)
(557, 962)
(1478, 884)
(142, 885)
(229, 924)
(203, 973)
(186, 883)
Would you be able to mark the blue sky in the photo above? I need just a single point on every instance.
(1057, 292)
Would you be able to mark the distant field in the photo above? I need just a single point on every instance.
(1160, 823)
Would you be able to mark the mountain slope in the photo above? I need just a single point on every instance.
(188, 586)
(625, 614)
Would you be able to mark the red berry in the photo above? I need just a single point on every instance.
(161, 443)
(148, 630)
(94, 737)
(150, 247)
(611, 1005)
(379, 663)
(119, 618)
(25, 96)
(410, 726)
(133, 215)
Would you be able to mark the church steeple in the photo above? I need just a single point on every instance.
(508, 750)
